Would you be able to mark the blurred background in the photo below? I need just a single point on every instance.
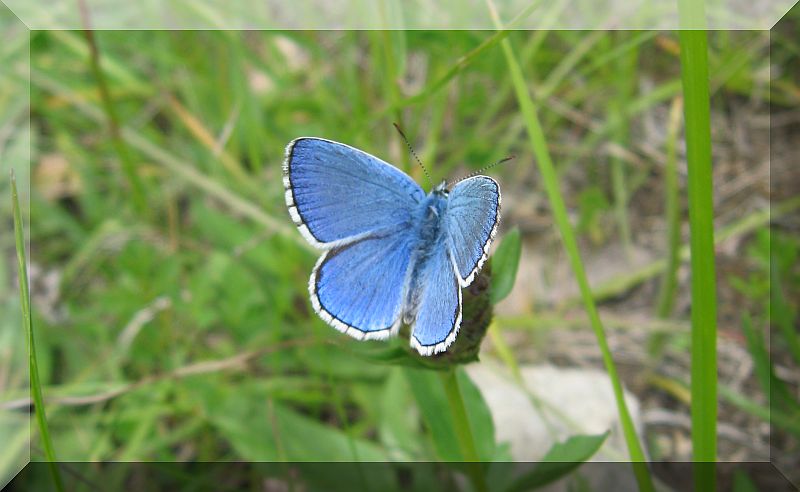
(169, 284)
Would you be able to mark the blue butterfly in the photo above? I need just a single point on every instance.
(391, 253)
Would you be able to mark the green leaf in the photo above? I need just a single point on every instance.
(562, 459)
(433, 406)
(262, 429)
(742, 483)
(479, 416)
(505, 263)
(395, 355)
(397, 427)
(436, 413)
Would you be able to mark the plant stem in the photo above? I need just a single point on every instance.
(463, 429)
(669, 282)
(550, 179)
(128, 167)
(626, 86)
(33, 366)
(694, 74)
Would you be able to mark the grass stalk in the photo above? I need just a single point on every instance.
(550, 179)
(33, 365)
(626, 86)
(466, 440)
(694, 77)
(120, 147)
(669, 281)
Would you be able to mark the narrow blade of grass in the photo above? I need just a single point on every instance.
(669, 281)
(33, 366)
(120, 147)
(625, 76)
(464, 61)
(550, 179)
(694, 76)
(781, 312)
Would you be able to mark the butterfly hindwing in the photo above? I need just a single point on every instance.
(336, 193)
(470, 221)
(357, 287)
(438, 304)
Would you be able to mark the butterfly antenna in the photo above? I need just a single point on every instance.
(485, 168)
(397, 127)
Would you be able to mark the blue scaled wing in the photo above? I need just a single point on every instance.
(437, 305)
(470, 221)
(357, 287)
(338, 194)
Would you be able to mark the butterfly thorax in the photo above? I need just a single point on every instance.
(428, 219)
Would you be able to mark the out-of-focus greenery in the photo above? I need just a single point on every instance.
(182, 330)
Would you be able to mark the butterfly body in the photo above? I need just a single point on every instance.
(391, 253)
(429, 236)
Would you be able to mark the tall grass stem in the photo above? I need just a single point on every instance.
(33, 365)
(669, 280)
(120, 147)
(550, 180)
(694, 77)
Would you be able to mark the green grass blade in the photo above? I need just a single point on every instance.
(694, 76)
(625, 68)
(464, 61)
(781, 314)
(120, 147)
(550, 179)
(36, 386)
(669, 281)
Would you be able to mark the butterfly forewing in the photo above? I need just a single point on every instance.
(336, 193)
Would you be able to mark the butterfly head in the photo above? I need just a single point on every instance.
(441, 189)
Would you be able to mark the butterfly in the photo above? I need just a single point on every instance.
(391, 253)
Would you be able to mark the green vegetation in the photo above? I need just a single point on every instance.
(177, 325)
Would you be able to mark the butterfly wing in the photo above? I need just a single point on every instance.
(336, 193)
(438, 304)
(470, 221)
(357, 287)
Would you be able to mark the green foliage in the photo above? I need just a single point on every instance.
(183, 327)
(593, 207)
(697, 108)
(561, 459)
(742, 483)
(33, 365)
(505, 263)
(437, 415)
(773, 256)
(552, 186)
